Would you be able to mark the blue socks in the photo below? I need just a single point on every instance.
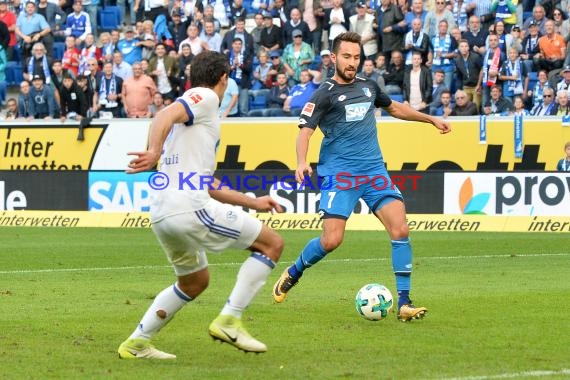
(310, 255)
(402, 266)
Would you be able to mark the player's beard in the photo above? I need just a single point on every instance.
(343, 75)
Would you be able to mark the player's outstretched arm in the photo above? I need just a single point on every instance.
(302, 149)
(159, 130)
(405, 112)
(227, 195)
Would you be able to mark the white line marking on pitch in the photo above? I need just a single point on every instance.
(331, 261)
(563, 371)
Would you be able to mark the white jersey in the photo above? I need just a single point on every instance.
(189, 156)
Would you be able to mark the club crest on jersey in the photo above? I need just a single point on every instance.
(367, 91)
(308, 109)
(357, 111)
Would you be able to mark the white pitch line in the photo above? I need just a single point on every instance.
(330, 261)
(513, 375)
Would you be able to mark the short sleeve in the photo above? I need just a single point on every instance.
(382, 100)
(197, 104)
(314, 109)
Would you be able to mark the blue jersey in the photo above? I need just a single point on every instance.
(345, 115)
(78, 25)
(131, 52)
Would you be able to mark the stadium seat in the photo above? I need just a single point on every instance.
(117, 11)
(58, 50)
(527, 15)
(10, 73)
(108, 20)
(258, 102)
(14, 74)
(397, 98)
(16, 54)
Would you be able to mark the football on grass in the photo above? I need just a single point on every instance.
(374, 302)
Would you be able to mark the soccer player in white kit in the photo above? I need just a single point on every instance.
(189, 219)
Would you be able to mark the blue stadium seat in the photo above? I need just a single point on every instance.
(108, 20)
(14, 73)
(117, 11)
(533, 75)
(16, 54)
(258, 102)
(58, 50)
(527, 15)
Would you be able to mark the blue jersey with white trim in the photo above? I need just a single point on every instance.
(345, 113)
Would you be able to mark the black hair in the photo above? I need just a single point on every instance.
(208, 67)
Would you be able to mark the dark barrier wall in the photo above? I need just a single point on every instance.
(57, 190)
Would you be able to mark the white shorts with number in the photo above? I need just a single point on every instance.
(186, 237)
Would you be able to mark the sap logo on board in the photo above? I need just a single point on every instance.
(118, 191)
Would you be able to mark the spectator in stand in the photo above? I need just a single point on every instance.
(92, 76)
(43, 99)
(78, 23)
(313, 15)
(497, 105)
(281, 11)
(138, 92)
(57, 78)
(177, 27)
(362, 23)
(514, 76)
(296, 23)
(394, 75)
(55, 17)
(130, 47)
(193, 40)
(483, 11)
(236, 12)
(73, 102)
(209, 16)
(552, 49)
(368, 71)
(9, 19)
(90, 94)
(25, 103)
(389, 17)
(122, 4)
(564, 84)
(437, 89)
(516, 37)
(121, 68)
(241, 67)
(277, 96)
(562, 107)
(417, 87)
(463, 106)
(157, 104)
(535, 95)
(327, 66)
(417, 11)
(70, 60)
(433, 18)
(564, 163)
(163, 70)
(149, 9)
(261, 75)
(211, 40)
(444, 53)
(277, 67)
(107, 46)
(297, 56)
(505, 11)
(38, 64)
(489, 75)
(109, 91)
(518, 106)
(505, 40)
(256, 31)
(538, 18)
(32, 28)
(300, 94)
(467, 68)
(17, 7)
(261, 5)
(186, 56)
(89, 50)
(548, 107)
(148, 39)
(271, 37)
(184, 80)
(461, 9)
(229, 103)
(530, 47)
(445, 109)
(11, 110)
(239, 32)
(476, 36)
(417, 41)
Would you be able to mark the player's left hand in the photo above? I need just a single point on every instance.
(266, 203)
(142, 162)
(442, 125)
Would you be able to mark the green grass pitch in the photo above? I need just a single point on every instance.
(498, 308)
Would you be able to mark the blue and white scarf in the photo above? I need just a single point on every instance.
(237, 73)
(514, 87)
(103, 92)
(45, 67)
(443, 46)
(460, 15)
(410, 40)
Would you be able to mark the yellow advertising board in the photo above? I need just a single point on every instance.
(252, 144)
(309, 222)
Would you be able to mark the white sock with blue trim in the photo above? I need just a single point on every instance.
(251, 277)
(165, 305)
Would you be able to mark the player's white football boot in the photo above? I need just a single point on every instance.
(229, 329)
(141, 349)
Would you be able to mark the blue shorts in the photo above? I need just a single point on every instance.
(340, 194)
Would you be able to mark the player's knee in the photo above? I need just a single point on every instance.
(196, 287)
(330, 243)
(399, 232)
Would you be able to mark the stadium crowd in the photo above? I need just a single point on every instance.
(75, 59)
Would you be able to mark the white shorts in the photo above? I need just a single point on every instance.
(186, 237)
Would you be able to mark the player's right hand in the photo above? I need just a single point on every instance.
(142, 162)
(303, 169)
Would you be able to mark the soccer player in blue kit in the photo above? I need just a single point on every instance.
(344, 109)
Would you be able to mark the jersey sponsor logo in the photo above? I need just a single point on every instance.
(302, 121)
(357, 111)
(367, 91)
(308, 109)
(194, 98)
